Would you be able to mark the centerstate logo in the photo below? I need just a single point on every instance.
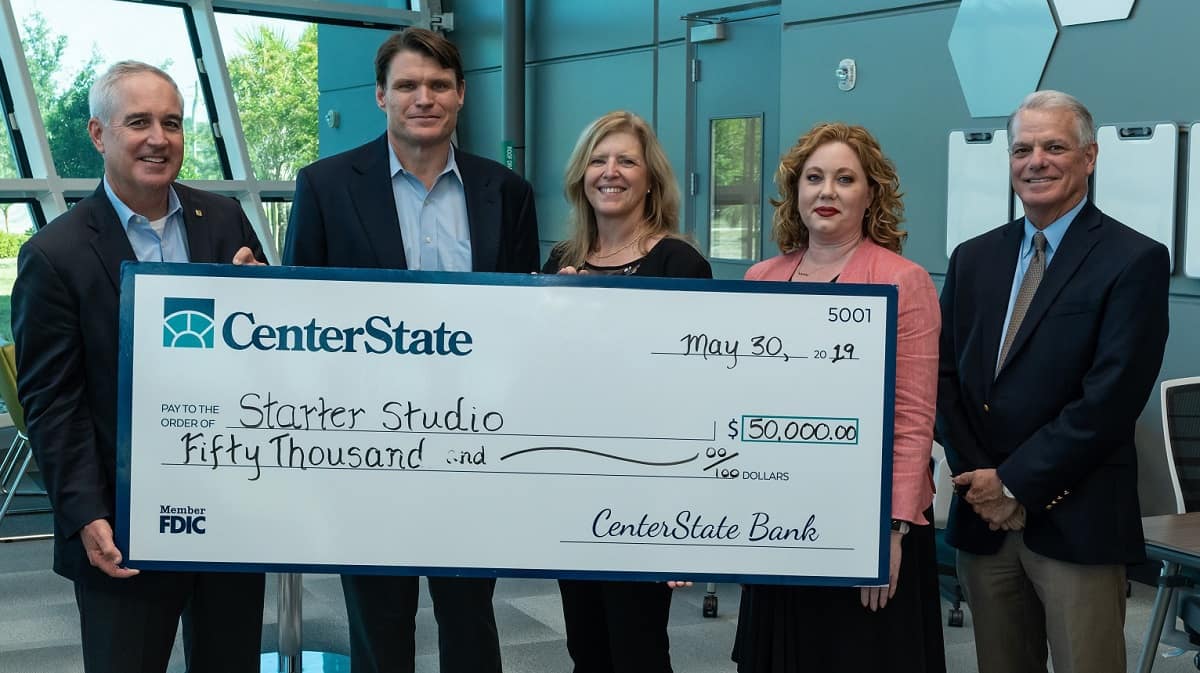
(188, 322)
(192, 322)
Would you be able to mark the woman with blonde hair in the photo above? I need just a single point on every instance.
(624, 206)
(624, 222)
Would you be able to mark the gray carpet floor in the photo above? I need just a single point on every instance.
(39, 629)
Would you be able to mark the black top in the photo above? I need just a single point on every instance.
(669, 258)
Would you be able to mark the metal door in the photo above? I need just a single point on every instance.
(734, 73)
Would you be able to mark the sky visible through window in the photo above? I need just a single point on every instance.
(151, 33)
(68, 43)
(92, 35)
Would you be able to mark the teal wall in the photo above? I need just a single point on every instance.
(346, 81)
(584, 59)
(908, 94)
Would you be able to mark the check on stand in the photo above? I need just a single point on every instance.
(320, 420)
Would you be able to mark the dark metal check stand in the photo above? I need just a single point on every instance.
(291, 657)
(1173, 539)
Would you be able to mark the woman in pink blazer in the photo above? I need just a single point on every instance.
(839, 221)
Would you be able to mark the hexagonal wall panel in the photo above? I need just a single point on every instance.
(1074, 12)
(999, 50)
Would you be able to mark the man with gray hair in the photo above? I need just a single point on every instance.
(1053, 330)
(65, 307)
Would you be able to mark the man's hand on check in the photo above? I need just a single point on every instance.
(245, 257)
(97, 538)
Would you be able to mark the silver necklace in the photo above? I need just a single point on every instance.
(618, 251)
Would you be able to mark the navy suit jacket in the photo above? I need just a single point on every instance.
(65, 311)
(344, 214)
(1058, 420)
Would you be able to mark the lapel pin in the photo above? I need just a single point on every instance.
(199, 213)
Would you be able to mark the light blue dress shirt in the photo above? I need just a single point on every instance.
(1054, 236)
(433, 223)
(147, 244)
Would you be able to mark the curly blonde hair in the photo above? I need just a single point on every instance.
(885, 212)
(662, 203)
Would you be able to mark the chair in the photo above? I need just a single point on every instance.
(942, 493)
(1181, 439)
(16, 460)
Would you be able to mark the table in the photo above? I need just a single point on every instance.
(1173, 539)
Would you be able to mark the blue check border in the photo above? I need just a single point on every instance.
(130, 271)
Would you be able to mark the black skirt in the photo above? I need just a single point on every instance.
(790, 629)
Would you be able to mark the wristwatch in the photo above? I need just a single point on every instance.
(900, 526)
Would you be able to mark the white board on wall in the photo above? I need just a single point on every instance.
(977, 185)
(1136, 173)
(1191, 229)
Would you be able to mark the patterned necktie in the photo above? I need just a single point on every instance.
(1029, 286)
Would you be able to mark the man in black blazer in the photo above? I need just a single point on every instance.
(1053, 330)
(65, 308)
(409, 200)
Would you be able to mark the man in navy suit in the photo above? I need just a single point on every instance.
(1053, 330)
(65, 312)
(410, 200)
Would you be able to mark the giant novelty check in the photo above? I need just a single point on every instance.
(493, 425)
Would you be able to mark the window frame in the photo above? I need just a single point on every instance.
(717, 193)
(40, 180)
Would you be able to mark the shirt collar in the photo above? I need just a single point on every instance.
(125, 213)
(396, 168)
(1054, 232)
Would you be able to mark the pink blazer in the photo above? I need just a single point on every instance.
(918, 323)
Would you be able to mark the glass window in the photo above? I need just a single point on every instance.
(69, 43)
(735, 209)
(272, 66)
(8, 159)
(19, 225)
(8, 162)
(278, 212)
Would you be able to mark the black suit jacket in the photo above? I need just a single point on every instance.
(65, 310)
(344, 214)
(1058, 420)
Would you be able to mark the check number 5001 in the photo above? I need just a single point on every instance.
(847, 314)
